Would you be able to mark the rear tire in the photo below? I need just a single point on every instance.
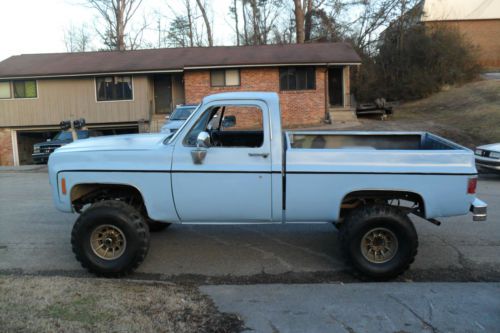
(379, 241)
(110, 238)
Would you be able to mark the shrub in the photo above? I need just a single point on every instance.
(414, 62)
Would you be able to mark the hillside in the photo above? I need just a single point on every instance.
(469, 115)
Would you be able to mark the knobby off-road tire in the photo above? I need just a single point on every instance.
(116, 223)
(373, 227)
(155, 226)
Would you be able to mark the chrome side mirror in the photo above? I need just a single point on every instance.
(202, 143)
(203, 140)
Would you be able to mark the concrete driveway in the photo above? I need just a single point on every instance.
(34, 238)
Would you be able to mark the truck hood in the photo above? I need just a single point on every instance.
(116, 143)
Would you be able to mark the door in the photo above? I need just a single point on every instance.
(163, 94)
(335, 86)
(233, 182)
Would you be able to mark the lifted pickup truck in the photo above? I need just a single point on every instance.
(230, 163)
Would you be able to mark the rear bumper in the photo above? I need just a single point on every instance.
(479, 210)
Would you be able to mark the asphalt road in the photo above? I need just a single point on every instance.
(34, 238)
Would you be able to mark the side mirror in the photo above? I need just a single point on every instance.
(167, 117)
(229, 121)
(202, 143)
(203, 140)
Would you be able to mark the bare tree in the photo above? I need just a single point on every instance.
(203, 10)
(233, 10)
(300, 19)
(260, 19)
(245, 23)
(375, 16)
(117, 16)
(77, 39)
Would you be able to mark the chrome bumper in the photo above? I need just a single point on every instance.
(479, 210)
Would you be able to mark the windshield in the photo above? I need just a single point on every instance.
(182, 113)
(67, 135)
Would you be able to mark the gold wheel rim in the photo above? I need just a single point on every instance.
(108, 242)
(379, 245)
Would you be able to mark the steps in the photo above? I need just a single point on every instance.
(342, 115)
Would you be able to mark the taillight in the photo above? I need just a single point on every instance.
(471, 186)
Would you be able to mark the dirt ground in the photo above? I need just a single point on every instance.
(469, 115)
(64, 304)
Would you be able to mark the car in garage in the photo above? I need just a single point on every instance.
(177, 118)
(42, 150)
(488, 158)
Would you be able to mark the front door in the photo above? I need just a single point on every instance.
(163, 94)
(233, 183)
(335, 86)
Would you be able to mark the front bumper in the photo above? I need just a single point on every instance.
(40, 157)
(479, 210)
(488, 163)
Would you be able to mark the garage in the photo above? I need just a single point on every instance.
(51, 138)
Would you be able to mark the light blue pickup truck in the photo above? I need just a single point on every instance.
(231, 163)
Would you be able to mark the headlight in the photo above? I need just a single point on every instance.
(495, 154)
(479, 152)
(36, 149)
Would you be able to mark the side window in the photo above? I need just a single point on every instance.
(230, 126)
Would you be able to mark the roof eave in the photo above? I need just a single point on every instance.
(166, 71)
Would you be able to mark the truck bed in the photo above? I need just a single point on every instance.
(369, 140)
(323, 167)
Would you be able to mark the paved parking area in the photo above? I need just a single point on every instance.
(34, 237)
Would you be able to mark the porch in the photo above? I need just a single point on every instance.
(339, 102)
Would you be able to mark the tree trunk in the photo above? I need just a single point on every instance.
(235, 4)
(299, 22)
(120, 26)
(308, 20)
(257, 36)
(207, 23)
(245, 28)
(190, 23)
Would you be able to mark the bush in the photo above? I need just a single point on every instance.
(414, 62)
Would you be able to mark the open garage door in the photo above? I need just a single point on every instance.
(26, 138)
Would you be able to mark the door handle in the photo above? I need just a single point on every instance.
(265, 155)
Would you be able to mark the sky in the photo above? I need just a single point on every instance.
(38, 26)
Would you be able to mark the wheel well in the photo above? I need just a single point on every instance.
(83, 195)
(412, 202)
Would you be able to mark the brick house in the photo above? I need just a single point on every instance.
(478, 21)
(132, 91)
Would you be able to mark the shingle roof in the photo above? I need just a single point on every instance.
(174, 59)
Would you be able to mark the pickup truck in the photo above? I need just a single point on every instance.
(246, 170)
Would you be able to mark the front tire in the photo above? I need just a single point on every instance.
(110, 238)
(379, 241)
(155, 226)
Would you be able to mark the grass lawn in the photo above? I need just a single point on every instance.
(62, 304)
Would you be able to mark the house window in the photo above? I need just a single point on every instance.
(114, 88)
(297, 78)
(224, 77)
(24, 89)
(5, 91)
